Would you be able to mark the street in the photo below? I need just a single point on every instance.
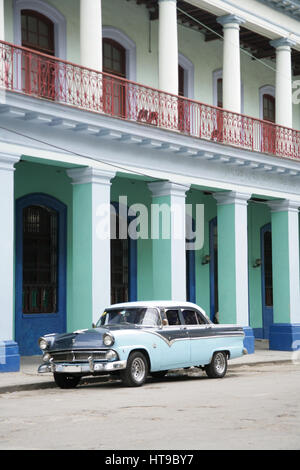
(253, 407)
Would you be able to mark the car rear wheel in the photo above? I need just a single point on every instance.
(66, 381)
(136, 371)
(218, 366)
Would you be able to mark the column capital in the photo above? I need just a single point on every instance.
(91, 175)
(284, 205)
(232, 197)
(8, 160)
(282, 42)
(230, 20)
(167, 188)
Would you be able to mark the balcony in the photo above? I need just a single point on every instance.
(47, 78)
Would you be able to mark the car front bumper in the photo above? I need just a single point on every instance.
(91, 367)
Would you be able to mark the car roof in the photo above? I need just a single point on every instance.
(158, 303)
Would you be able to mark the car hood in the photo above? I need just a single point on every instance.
(85, 339)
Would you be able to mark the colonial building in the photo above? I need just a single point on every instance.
(126, 102)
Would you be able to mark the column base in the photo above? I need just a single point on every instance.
(285, 336)
(9, 356)
(249, 340)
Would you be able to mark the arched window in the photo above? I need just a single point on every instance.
(37, 32)
(40, 260)
(114, 58)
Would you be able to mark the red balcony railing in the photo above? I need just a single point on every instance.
(35, 74)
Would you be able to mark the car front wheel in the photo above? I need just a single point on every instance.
(136, 371)
(66, 381)
(218, 366)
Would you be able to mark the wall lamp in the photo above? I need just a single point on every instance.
(205, 259)
(257, 263)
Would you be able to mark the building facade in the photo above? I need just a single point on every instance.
(191, 107)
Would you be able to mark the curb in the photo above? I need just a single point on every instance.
(49, 385)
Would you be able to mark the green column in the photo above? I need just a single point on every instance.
(168, 240)
(91, 249)
(286, 280)
(233, 261)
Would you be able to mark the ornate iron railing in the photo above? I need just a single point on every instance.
(25, 71)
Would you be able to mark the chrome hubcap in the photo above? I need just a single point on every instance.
(138, 369)
(220, 363)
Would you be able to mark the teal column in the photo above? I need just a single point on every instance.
(91, 245)
(168, 240)
(285, 332)
(233, 261)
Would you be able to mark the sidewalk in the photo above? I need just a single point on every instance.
(28, 378)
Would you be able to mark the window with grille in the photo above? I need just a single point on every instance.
(40, 260)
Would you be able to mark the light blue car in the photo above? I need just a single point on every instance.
(135, 339)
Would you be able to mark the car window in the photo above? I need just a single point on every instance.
(201, 319)
(173, 317)
(189, 317)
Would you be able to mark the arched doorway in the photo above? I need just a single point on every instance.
(114, 91)
(38, 73)
(123, 260)
(40, 270)
(266, 279)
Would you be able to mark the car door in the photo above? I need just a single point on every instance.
(176, 336)
(199, 331)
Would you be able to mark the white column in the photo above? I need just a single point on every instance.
(2, 35)
(168, 47)
(7, 163)
(91, 244)
(231, 62)
(168, 240)
(284, 106)
(91, 34)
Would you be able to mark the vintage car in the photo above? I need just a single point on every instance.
(135, 339)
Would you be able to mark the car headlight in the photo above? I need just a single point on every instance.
(43, 344)
(111, 355)
(108, 339)
(46, 357)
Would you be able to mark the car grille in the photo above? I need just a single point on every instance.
(78, 356)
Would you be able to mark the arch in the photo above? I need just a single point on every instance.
(109, 32)
(30, 326)
(50, 12)
(189, 75)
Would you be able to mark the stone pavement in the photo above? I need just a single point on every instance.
(28, 378)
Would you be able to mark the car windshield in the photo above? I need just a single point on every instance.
(135, 316)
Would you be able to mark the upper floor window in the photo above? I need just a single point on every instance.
(114, 58)
(181, 81)
(268, 108)
(220, 92)
(37, 32)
